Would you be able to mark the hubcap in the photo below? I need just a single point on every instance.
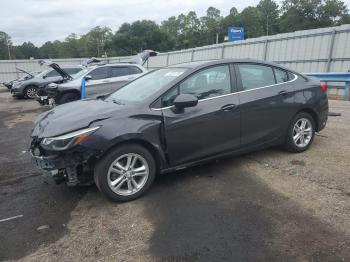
(128, 174)
(302, 132)
(31, 92)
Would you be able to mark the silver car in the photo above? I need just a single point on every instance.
(28, 87)
(100, 80)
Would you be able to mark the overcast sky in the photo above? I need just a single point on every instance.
(39, 21)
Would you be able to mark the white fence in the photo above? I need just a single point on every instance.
(318, 50)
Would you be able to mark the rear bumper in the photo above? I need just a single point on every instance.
(322, 116)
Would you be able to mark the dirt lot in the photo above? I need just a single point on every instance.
(265, 206)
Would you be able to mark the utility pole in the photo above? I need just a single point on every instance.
(217, 38)
(8, 47)
(267, 24)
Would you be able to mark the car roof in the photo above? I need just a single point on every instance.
(119, 64)
(204, 63)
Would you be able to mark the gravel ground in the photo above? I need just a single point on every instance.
(268, 206)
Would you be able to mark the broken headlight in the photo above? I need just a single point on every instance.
(66, 141)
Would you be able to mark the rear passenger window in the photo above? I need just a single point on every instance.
(281, 75)
(134, 70)
(254, 76)
(120, 71)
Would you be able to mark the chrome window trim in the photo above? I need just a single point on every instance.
(239, 92)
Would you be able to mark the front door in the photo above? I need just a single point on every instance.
(212, 126)
(100, 83)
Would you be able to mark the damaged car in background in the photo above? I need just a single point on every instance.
(176, 117)
(28, 88)
(26, 76)
(100, 79)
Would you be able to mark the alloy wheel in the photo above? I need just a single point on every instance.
(31, 92)
(128, 174)
(302, 132)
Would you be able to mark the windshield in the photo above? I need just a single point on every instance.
(43, 73)
(80, 73)
(146, 86)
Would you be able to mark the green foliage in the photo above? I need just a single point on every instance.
(186, 30)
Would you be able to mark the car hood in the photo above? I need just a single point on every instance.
(63, 73)
(75, 115)
(23, 71)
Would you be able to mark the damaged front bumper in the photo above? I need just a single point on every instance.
(73, 167)
(46, 101)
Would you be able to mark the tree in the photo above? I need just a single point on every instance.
(50, 49)
(302, 14)
(269, 15)
(248, 19)
(211, 25)
(28, 50)
(333, 11)
(5, 46)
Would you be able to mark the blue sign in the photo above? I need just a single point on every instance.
(235, 33)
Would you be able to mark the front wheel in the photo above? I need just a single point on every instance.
(301, 133)
(125, 173)
(30, 92)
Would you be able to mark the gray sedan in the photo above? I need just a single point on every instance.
(28, 88)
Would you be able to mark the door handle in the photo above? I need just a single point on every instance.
(131, 78)
(105, 81)
(228, 107)
(283, 93)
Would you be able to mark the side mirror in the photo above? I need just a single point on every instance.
(88, 77)
(44, 76)
(185, 100)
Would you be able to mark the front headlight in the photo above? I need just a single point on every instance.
(66, 141)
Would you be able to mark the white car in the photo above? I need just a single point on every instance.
(100, 80)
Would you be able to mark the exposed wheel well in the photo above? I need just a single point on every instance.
(60, 94)
(35, 86)
(70, 91)
(143, 143)
(313, 115)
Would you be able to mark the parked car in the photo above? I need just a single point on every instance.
(26, 76)
(176, 117)
(28, 88)
(100, 80)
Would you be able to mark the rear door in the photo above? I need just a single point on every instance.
(211, 127)
(100, 82)
(265, 98)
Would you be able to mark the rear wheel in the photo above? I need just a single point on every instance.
(300, 133)
(30, 92)
(125, 173)
(68, 97)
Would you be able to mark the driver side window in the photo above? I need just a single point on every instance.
(100, 73)
(211, 82)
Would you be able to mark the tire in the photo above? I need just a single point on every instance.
(68, 97)
(30, 92)
(305, 138)
(114, 179)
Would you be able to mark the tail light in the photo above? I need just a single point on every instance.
(323, 86)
